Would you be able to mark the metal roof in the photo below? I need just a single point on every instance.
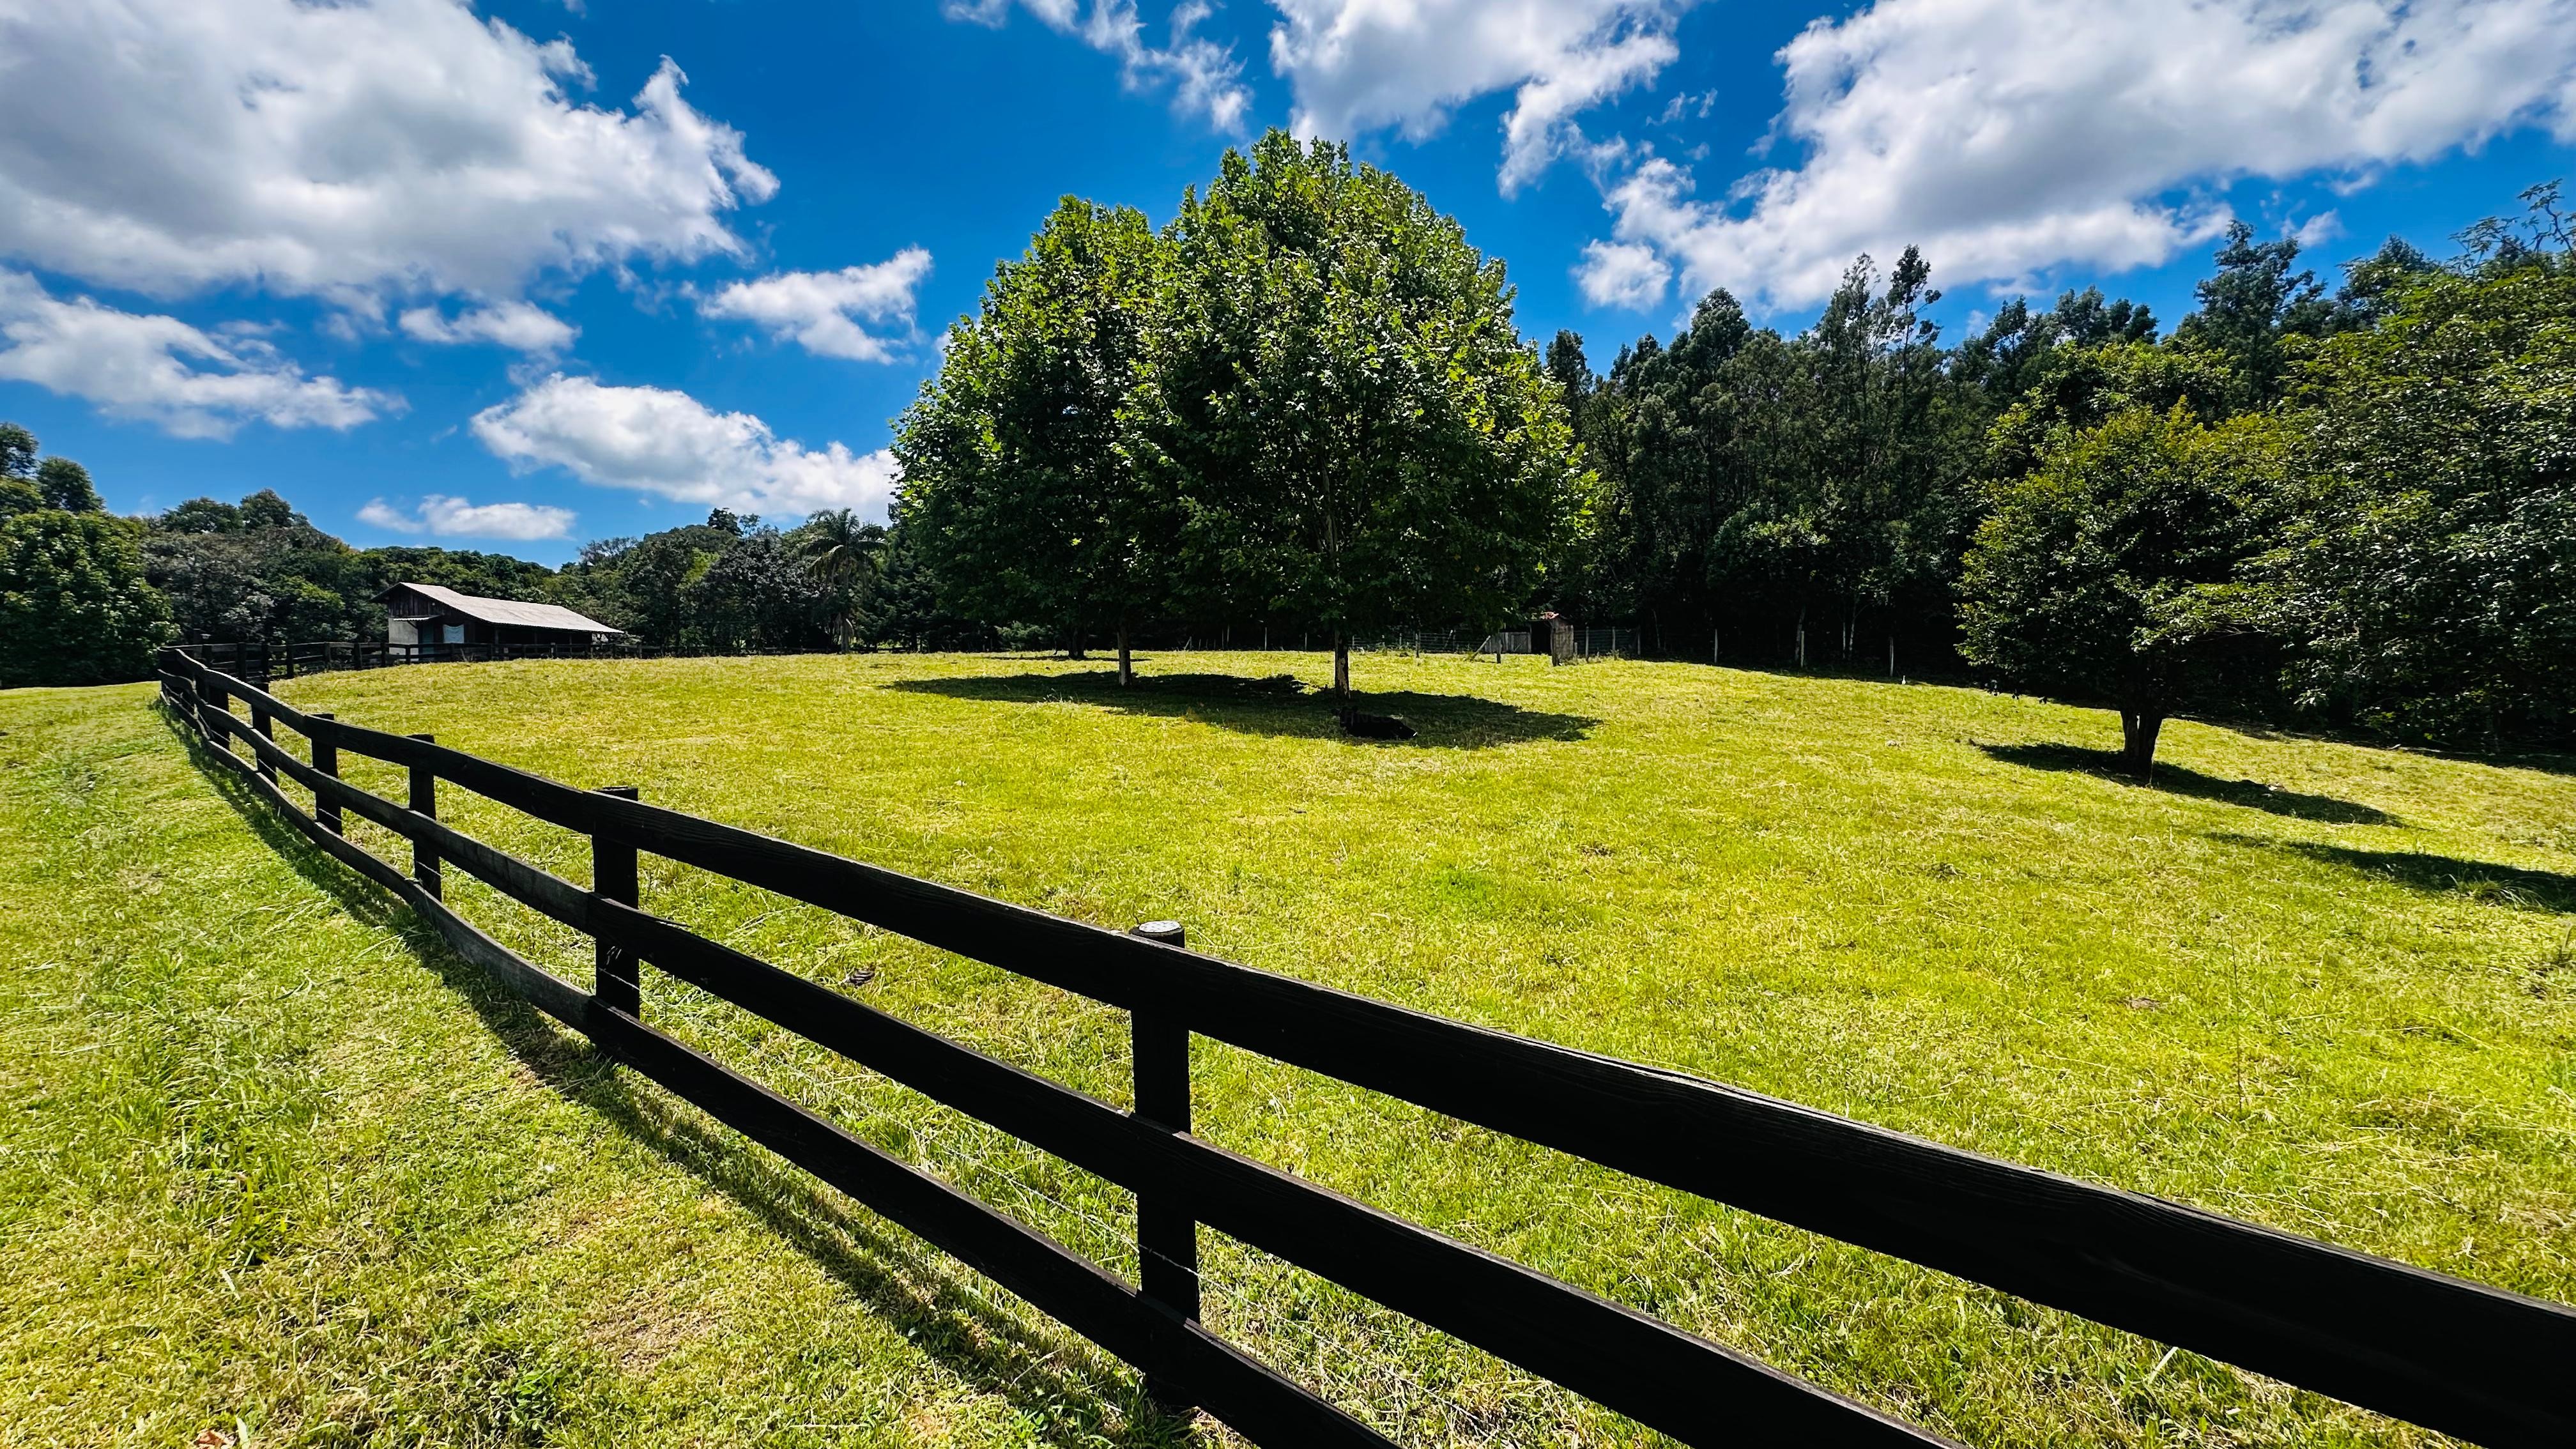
(506, 611)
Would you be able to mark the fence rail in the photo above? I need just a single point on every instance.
(2459, 1357)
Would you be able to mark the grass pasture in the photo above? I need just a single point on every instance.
(279, 1167)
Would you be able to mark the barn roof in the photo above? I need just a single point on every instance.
(506, 611)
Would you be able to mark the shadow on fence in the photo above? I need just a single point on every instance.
(2454, 1356)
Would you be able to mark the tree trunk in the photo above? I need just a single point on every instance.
(2138, 742)
(1126, 661)
(1341, 664)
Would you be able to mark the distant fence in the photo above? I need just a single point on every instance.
(2454, 1356)
(263, 662)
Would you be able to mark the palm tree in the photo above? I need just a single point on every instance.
(842, 552)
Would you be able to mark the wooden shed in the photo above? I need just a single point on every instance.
(430, 616)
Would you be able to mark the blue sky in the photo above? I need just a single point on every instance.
(500, 277)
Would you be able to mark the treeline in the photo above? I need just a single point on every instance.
(2347, 508)
(1301, 411)
(1301, 408)
(86, 596)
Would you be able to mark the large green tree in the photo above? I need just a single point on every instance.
(2109, 572)
(74, 605)
(1019, 484)
(1340, 401)
(2429, 582)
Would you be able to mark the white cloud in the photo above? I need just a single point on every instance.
(656, 440)
(1622, 274)
(2008, 136)
(354, 151)
(822, 311)
(161, 370)
(1205, 77)
(1360, 64)
(520, 326)
(443, 517)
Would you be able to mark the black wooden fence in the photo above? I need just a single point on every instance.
(2455, 1356)
(262, 663)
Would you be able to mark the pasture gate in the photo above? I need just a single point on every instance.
(2459, 1357)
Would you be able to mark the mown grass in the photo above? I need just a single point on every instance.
(287, 1159)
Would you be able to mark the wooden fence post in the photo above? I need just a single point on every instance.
(424, 801)
(1167, 1237)
(616, 981)
(209, 699)
(261, 726)
(326, 759)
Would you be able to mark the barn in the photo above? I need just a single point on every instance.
(429, 616)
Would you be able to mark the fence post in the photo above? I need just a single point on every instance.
(615, 979)
(326, 760)
(1167, 1237)
(261, 726)
(211, 701)
(424, 801)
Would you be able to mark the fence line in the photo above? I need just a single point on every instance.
(2455, 1356)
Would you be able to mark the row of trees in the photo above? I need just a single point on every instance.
(85, 596)
(74, 608)
(1302, 408)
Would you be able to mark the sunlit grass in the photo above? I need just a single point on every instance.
(2321, 986)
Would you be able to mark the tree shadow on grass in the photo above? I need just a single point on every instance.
(1079, 1393)
(2179, 780)
(2503, 885)
(1278, 705)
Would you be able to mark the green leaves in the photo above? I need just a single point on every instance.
(2111, 569)
(1304, 399)
(74, 606)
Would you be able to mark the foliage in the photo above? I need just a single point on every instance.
(17, 452)
(74, 605)
(1338, 398)
(260, 572)
(65, 484)
(1752, 480)
(1019, 479)
(843, 554)
(2110, 571)
(2430, 578)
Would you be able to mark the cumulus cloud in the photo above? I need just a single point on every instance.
(657, 440)
(443, 517)
(354, 151)
(520, 326)
(1360, 64)
(1205, 77)
(163, 371)
(821, 311)
(2008, 136)
(1622, 274)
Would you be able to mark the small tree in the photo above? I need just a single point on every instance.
(2109, 571)
(843, 554)
(17, 453)
(65, 485)
(1340, 398)
(1020, 491)
(74, 606)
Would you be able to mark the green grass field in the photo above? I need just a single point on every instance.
(276, 1165)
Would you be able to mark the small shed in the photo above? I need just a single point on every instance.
(431, 616)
